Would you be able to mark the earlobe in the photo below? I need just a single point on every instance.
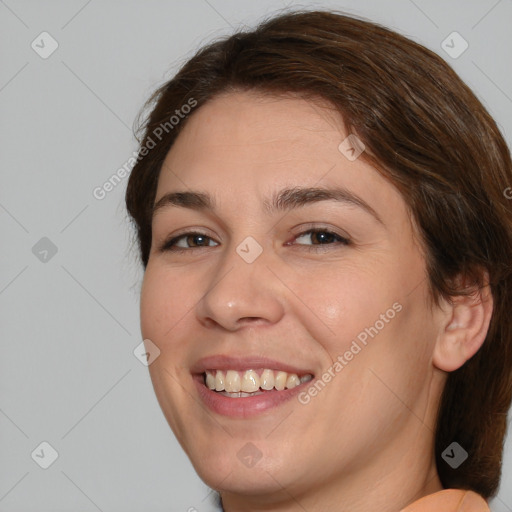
(465, 328)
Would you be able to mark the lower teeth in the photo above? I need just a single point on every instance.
(240, 394)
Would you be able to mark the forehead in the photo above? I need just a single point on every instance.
(245, 128)
(254, 144)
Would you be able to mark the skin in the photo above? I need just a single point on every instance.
(365, 442)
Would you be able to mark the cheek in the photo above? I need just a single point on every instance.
(395, 362)
(161, 304)
(340, 305)
(375, 317)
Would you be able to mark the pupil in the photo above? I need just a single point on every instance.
(324, 237)
(198, 239)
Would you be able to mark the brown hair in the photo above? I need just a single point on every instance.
(429, 135)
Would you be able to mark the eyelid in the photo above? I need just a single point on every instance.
(319, 226)
(341, 242)
(311, 228)
(166, 244)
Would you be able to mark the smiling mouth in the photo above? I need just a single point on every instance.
(241, 384)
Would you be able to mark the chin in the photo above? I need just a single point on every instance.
(226, 476)
(242, 466)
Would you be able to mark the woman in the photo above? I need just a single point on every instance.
(327, 249)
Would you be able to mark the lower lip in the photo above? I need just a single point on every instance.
(245, 407)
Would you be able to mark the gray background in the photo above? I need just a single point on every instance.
(69, 321)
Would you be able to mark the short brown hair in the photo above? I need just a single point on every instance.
(430, 136)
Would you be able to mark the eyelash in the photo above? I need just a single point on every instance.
(168, 246)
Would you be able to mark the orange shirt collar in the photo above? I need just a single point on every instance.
(449, 500)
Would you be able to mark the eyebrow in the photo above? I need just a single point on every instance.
(282, 201)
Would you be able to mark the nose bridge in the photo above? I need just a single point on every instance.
(243, 287)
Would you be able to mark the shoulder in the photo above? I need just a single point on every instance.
(449, 500)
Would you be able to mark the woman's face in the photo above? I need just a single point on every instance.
(297, 257)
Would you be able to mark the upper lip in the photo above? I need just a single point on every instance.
(225, 362)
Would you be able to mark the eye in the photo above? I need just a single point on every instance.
(322, 237)
(195, 240)
(187, 241)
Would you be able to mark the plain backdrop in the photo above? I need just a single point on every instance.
(73, 77)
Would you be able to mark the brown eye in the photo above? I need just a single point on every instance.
(198, 240)
(322, 237)
(187, 241)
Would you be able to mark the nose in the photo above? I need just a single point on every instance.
(241, 293)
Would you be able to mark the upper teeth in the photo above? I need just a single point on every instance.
(250, 381)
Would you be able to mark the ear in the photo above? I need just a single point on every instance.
(464, 327)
